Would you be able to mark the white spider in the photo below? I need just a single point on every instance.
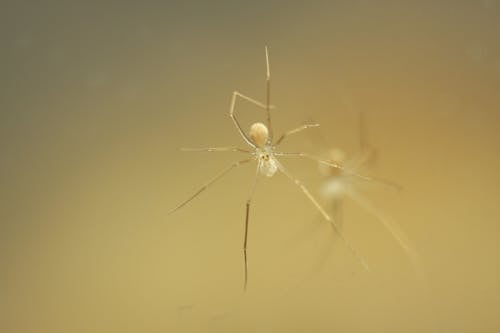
(263, 150)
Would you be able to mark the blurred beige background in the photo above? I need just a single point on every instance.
(96, 99)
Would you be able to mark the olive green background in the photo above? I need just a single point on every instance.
(97, 97)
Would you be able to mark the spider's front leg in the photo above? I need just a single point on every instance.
(210, 182)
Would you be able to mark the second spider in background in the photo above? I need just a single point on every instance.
(339, 185)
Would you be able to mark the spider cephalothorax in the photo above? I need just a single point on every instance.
(267, 163)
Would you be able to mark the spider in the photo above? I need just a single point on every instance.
(263, 150)
(339, 185)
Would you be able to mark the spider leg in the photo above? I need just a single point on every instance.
(347, 171)
(217, 149)
(210, 182)
(296, 130)
(367, 154)
(391, 226)
(247, 218)
(327, 217)
(266, 106)
(233, 116)
(268, 97)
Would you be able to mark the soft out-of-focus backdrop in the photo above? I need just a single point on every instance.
(96, 98)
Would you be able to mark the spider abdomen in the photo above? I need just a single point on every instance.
(259, 134)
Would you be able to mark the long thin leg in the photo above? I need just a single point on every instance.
(268, 98)
(233, 117)
(216, 149)
(247, 216)
(294, 131)
(338, 211)
(206, 185)
(363, 142)
(367, 154)
(325, 215)
(316, 137)
(303, 234)
(324, 249)
(311, 157)
(392, 227)
(338, 166)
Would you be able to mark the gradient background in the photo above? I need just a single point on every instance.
(96, 98)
